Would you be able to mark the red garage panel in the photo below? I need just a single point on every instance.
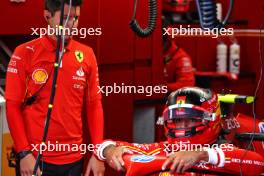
(143, 78)
(118, 108)
(18, 18)
(156, 51)
(206, 54)
(116, 41)
(90, 19)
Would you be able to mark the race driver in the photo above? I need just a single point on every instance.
(28, 89)
(192, 124)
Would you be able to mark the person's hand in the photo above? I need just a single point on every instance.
(114, 158)
(183, 160)
(96, 166)
(27, 166)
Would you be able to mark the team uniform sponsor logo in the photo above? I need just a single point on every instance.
(142, 158)
(80, 75)
(78, 86)
(227, 160)
(78, 78)
(40, 76)
(80, 72)
(160, 121)
(142, 146)
(30, 48)
(202, 165)
(16, 57)
(12, 66)
(232, 123)
(12, 63)
(11, 70)
(250, 162)
(144, 152)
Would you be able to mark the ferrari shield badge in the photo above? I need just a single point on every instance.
(79, 56)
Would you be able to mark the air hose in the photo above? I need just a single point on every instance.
(207, 14)
(151, 20)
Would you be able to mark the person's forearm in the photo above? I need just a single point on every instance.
(107, 149)
(249, 162)
(95, 121)
(204, 156)
(16, 125)
(229, 161)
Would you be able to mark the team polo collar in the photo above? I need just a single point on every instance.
(51, 44)
(170, 49)
(170, 52)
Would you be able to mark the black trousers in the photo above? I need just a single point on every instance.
(72, 169)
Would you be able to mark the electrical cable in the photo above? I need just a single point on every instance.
(255, 95)
(59, 54)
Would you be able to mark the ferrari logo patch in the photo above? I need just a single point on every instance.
(79, 56)
(40, 76)
(181, 100)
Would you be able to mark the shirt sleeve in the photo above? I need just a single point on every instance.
(93, 80)
(94, 108)
(16, 76)
(15, 92)
(240, 160)
(228, 159)
(16, 126)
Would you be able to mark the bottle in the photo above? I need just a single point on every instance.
(221, 56)
(234, 58)
(219, 11)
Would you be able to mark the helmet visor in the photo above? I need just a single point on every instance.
(187, 111)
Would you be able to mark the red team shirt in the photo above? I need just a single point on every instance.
(30, 71)
(178, 71)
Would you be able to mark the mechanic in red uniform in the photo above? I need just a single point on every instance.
(192, 117)
(178, 70)
(28, 89)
